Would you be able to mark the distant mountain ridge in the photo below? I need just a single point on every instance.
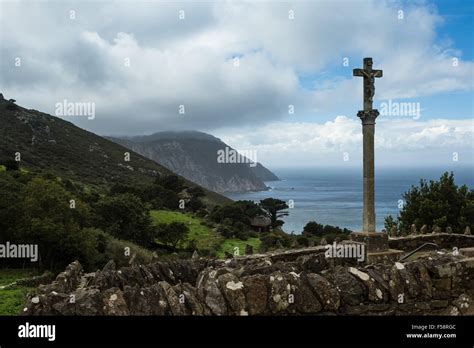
(193, 155)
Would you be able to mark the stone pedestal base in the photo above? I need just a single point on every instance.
(377, 247)
(374, 242)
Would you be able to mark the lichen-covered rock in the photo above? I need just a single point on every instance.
(209, 291)
(325, 291)
(464, 304)
(280, 290)
(193, 302)
(233, 290)
(425, 286)
(313, 263)
(375, 292)
(114, 302)
(83, 302)
(175, 298)
(256, 293)
(352, 292)
(142, 301)
(408, 280)
(69, 279)
(305, 299)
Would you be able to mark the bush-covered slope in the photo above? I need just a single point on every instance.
(47, 143)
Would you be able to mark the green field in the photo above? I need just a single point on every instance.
(205, 237)
(12, 300)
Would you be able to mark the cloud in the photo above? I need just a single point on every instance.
(190, 62)
(400, 142)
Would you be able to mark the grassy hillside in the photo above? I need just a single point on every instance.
(12, 299)
(206, 237)
(48, 143)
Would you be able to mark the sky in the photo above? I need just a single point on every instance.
(273, 77)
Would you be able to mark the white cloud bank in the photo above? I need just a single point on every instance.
(398, 142)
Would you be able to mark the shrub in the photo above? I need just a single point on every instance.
(201, 213)
(11, 165)
(390, 222)
(173, 233)
(275, 240)
(302, 241)
(313, 228)
(240, 211)
(441, 203)
(118, 250)
(225, 231)
(171, 182)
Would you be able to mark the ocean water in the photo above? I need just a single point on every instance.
(334, 196)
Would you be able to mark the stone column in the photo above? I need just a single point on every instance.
(368, 129)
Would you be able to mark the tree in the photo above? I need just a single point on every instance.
(171, 182)
(239, 211)
(12, 165)
(172, 233)
(194, 204)
(48, 200)
(225, 231)
(303, 241)
(38, 210)
(237, 230)
(11, 196)
(249, 208)
(160, 197)
(49, 221)
(196, 192)
(440, 203)
(125, 216)
(314, 229)
(389, 222)
(273, 208)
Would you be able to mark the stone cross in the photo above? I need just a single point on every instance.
(369, 76)
(368, 116)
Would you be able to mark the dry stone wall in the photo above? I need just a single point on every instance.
(443, 240)
(437, 284)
